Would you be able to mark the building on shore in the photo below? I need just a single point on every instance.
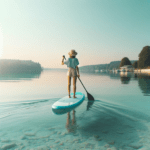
(103, 70)
(142, 71)
(97, 71)
(127, 68)
(117, 70)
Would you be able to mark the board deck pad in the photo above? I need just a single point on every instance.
(67, 104)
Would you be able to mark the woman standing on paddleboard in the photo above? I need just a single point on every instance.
(73, 71)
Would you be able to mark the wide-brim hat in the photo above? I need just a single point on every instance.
(72, 53)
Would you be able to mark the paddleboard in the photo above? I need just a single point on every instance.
(67, 103)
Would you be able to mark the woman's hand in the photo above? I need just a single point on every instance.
(77, 71)
(62, 60)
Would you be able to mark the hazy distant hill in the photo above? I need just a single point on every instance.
(19, 66)
(92, 68)
(55, 69)
(110, 66)
(113, 64)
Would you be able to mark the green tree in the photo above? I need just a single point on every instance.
(125, 61)
(135, 65)
(19, 66)
(144, 58)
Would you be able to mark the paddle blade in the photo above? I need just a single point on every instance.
(90, 97)
(89, 104)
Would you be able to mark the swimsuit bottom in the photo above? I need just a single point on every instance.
(72, 72)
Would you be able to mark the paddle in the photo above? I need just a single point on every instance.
(90, 97)
(64, 57)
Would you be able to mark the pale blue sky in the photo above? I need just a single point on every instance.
(99, 30)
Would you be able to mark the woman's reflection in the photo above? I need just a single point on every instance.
(71, 125)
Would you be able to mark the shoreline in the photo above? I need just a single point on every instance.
(142, 71)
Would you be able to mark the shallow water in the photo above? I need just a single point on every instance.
(117, 119)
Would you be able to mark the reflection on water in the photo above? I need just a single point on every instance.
(114, 76)
(113, 124)
(142, 79)
(118, 119)
(125, 77)
(71, 125)
(135, 77)
(61, 111)
(89, 104)
(144, 84)
(126, 74)
(22, 76)
(125, 80)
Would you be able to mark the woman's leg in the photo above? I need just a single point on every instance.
(74, 86)
(69, 84)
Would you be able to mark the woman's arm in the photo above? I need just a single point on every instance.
(77, 71)
(62, 61)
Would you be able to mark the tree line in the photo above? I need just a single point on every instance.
(142, 63)
(19, 66)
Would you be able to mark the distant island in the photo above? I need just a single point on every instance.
(19, 66)
(55, 69)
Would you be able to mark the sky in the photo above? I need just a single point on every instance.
(100, 31)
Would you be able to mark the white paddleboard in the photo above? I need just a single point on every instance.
(66, 102)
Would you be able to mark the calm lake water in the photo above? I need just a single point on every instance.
(118, 119)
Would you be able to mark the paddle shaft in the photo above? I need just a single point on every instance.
(82, 84)
(90, 97)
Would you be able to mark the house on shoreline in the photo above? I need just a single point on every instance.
(142, 71)
(127, 68)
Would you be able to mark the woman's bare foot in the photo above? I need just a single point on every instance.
(69, 96)
(74, 96)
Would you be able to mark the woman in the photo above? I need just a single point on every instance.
(73, 71)
(71, 125)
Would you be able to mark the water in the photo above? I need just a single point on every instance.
(118, 119)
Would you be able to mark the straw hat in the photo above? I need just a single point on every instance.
(72, 53)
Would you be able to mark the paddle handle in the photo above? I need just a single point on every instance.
(82, 85)
(64, 57)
